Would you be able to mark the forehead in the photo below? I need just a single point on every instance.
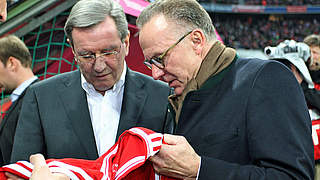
(100, 36)
(156, 35)
(317, 48)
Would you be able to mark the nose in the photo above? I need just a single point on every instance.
(157, 73)
(99, 64)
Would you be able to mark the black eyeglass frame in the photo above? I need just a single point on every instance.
(158, 60)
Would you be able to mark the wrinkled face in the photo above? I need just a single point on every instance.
(6, 80)
(180, 62)
(99, 41)
(315, 54)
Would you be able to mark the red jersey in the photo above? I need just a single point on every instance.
(127, 159)
(315, 117)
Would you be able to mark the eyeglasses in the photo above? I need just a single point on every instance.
(91, 58)
(158, 61)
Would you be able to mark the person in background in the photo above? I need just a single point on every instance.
(313, 41)
(81, 114)
(15, 77)
(296, 56)
(3, 10)
(235, 118)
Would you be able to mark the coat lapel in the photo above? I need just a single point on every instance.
(133, 102)
(75, 101)
(12, 108)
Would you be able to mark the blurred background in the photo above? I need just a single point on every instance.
(246, 25)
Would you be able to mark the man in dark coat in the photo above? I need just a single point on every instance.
(236, 118)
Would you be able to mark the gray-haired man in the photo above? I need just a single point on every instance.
(80, 114)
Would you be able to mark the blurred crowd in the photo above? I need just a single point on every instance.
(247, 2)
(259, 31)
(267, 2)
(12, 2)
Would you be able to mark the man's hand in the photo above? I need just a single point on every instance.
(176, 158)
(41, 170)
(12, 176)
(3, 10)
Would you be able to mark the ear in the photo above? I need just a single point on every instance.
(74, 54)
(127, 43)
(69, 42)
(13, 64)
(198, 40)
(71, 45)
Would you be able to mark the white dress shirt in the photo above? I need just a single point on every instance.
(18, 91)
(105, 112)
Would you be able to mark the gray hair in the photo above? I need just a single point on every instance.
(188, 14)
(87, 13)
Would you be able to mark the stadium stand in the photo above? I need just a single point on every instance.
(265, 2)
(258, 31)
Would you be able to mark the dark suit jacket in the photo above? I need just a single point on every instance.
(8, 129)
(55, 118)
(249, 122)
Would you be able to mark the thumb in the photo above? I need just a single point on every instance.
(40, 168)
(38, 160)
(171, 139)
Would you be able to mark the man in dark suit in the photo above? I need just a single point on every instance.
(236, 118)
(15, 77)
(80, 114)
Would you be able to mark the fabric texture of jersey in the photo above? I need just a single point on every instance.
(315, 117)
(127, 159)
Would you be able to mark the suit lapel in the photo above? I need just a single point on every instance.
(12, 108)
(133, 102)
(75, 101)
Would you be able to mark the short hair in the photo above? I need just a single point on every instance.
(12, 46)
(188, 14)
(312, 40)
(87, 13)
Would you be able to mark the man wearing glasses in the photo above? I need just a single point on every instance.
(235, 118)
(80, 114)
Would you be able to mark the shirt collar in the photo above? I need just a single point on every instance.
(18, 91)
(89, 88)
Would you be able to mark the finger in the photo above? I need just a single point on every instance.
(156, 168)
(171, 139)
(37, 160)
(40, 168)
(157, 161)
(12, 176)
(154, 158)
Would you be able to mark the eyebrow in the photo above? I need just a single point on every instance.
(85, 52)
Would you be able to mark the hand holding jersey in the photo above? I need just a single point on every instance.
(176, 158)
